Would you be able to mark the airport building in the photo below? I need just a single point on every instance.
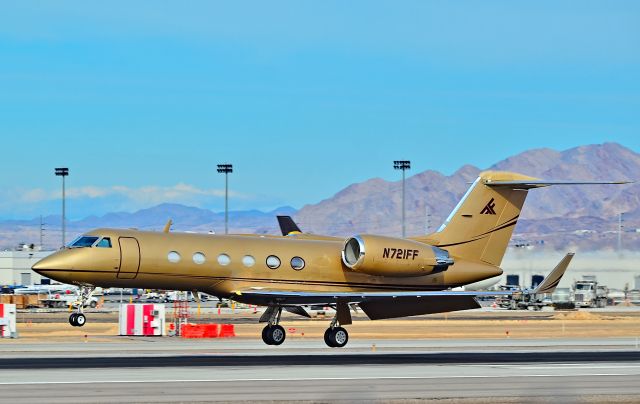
(608, 268)
(15, 266)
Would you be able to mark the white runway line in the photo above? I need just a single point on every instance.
(308, 379)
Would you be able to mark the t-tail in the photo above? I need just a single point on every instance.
(481, 225)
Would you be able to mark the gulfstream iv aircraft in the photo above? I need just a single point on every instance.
(386, 277)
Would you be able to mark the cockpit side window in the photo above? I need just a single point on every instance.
(84, 241)
(104, 243)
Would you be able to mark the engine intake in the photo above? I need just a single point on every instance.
(389, 256)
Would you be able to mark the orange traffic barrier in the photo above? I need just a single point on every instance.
(227, 330)
(199, 331)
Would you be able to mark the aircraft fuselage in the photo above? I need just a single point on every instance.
(222, 265)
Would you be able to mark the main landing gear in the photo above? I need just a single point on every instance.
(274, 333)
(78, 319)
(336, 336)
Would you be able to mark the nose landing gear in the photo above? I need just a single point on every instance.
(78, 319)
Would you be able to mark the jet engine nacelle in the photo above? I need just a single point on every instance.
(389, 256)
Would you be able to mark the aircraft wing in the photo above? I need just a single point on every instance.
(377, 305)
(380, 305)
(269, 297)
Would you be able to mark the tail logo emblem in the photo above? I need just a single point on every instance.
(488, 209)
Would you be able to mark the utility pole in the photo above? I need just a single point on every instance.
(63, 172)
(427, 214)
(620, 227)
(226, 169)
(41, 232)
(403, 165)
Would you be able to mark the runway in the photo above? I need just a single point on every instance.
(565, 382)
(335, 358)
(190, 373)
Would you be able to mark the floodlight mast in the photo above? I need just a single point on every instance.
(63, 172)
(402, 165)
(226, 169)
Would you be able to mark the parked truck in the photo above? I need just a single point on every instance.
(587, 293)
(563, 299)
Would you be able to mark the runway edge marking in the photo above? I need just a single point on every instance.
(308, 379)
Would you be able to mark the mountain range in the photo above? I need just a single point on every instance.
(579, 217)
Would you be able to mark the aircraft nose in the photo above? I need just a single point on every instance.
(52, 262)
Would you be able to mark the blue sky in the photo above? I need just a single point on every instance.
(142, 99)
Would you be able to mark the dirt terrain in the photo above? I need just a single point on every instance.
(480, 324)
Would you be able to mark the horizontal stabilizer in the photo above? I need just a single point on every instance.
(552, 280)
(542, 183)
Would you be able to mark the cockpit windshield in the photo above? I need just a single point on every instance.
(84, 241)
(104, 243)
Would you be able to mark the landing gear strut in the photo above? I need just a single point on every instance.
(273, 333)
(78, 319)
(336, 336)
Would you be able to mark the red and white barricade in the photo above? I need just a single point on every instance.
(7, 320)
(142, 319)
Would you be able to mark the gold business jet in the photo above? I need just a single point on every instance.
(386, 277)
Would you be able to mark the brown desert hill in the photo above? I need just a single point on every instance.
(581, 216)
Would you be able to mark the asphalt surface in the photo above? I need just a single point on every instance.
(506, 371)
(337, 359)
(524, 382)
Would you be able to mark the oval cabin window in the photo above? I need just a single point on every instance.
(199, 258)
(297, 263)
(224, 260)
(248, 261)
(273, 262)
(174, 257)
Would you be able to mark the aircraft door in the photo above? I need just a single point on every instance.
(129, 258)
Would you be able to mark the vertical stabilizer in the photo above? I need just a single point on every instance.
(481, 225)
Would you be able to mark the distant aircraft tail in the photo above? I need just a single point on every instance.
(288, 226)
(552, 280)
(481, 225)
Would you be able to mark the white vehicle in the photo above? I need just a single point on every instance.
(61, 299)
(173, 296)
(590, 294)
(152, 296)
(37, 289)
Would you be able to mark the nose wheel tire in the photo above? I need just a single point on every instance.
(336, 337)
(77, 319)
(273, 335)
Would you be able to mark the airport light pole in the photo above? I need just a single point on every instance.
(63, 172)
(226, 169)
(403, 165)
(620, 228)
